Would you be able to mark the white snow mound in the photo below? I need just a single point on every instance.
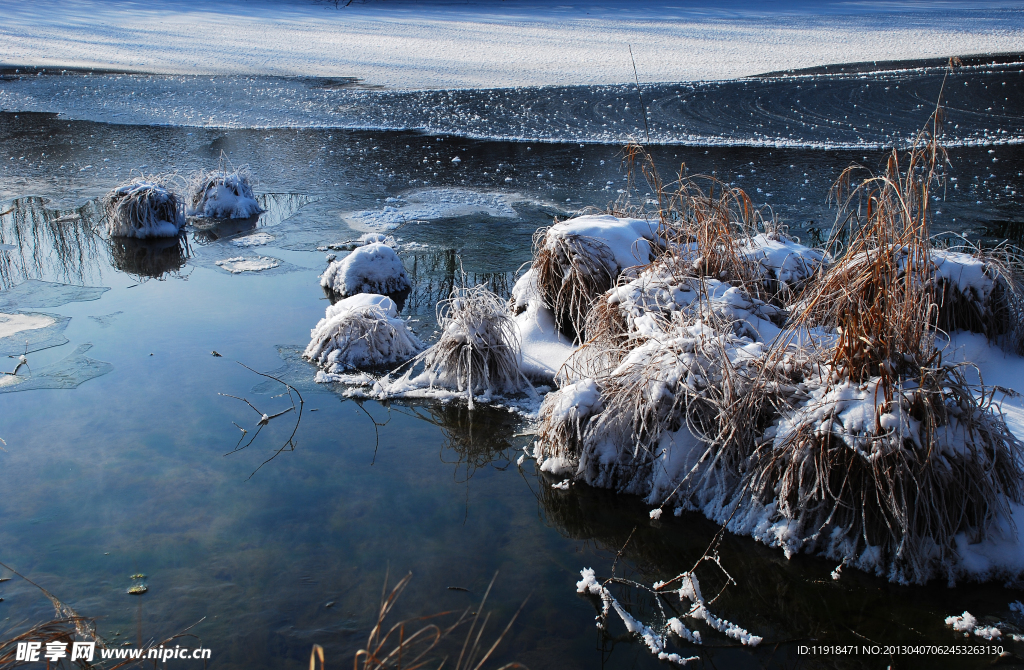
(374, 268)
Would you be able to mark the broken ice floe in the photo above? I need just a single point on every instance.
(25, 332)
(240, 264)
(66, 373)
(106, 320)
(430, 205)
(253, 240)
(34, 293)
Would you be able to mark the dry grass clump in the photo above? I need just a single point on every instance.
(427, 641)
(142, 208)
(56, 630)
(894, 489)
(892, 455)
(564, 416)
(704, 221)
(364, 336)
(572, 271)
(478, 350)
(982, 290)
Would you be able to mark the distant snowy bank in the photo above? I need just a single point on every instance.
(478, 44)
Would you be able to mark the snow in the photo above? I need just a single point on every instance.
(240, 264)
(781, 259)
(358, 332)
(381, 303)
(648, 302)
(373, 268)
(964, 271)
(630, 240)
(12, 324)
(543, 348)
(477, 44)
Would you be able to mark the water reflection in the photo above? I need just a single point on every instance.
(47, 243)
(279, 207)
(208, 231)
(152, 258)
(434, 273)
(473, 439)
(787, 601)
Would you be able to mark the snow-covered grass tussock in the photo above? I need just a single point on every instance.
(981, 290)
(577, 260)
(373, 268)
(795, 399)
(659, 298)
(142, 208)
(478, 352)
(362, 331)
(221, 194)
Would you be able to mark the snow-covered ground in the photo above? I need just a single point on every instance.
(481, 44)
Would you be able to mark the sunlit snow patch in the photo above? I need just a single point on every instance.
(66, 373)
(240, 264)
(432, 204)
(23, 332)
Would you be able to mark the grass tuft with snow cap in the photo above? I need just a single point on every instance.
(222, 195)
(477, 353)
(142, 208)
(891, 458)
(360, 332)
(575, 261)
(373, 268)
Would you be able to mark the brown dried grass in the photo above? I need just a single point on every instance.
(479, 345)
(572, 271)
(417, 643)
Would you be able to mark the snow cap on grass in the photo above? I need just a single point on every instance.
(361, 331)
(782, 261)
(981, 291)
(224, 195)
(374, 268)
(577, 260)
(142, 209)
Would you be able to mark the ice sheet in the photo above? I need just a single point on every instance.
(427, 45)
